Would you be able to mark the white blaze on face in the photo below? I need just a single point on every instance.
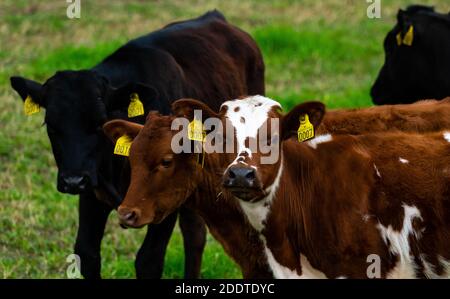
(247, 116)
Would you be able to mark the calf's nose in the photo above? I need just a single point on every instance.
(240, 177)
(128, 216)
(74, 184)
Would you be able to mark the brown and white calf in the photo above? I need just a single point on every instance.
(331, 205)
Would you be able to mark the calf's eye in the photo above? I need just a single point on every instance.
(166, 162)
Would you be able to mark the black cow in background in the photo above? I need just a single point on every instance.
(417, 62)
(204, 58)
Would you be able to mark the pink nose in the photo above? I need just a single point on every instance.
(128, 216)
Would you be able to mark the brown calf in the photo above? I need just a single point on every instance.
(161, 181)
(375, 205)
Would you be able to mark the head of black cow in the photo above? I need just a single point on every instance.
(417, 59)
(77, 104)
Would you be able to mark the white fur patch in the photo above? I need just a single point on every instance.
(447, 136)
(399, 243)
(402, 270)
(272, 189)
(279, 271)
(282, 272)
(251, 115)
(404, 161)
(376, 170)
(256, 212)
(428, 269)
(366, 217)
(319, 139)
(308, 271)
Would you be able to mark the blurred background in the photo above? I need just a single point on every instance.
(325, 50)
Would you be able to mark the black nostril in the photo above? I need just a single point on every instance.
(79, 182)
(241, 177)
(83, 182)
(250, 174)
(227, 182)
(73, 180)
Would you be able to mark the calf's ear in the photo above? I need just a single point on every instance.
(291, 121)
(134, 99)
(187, 108)
(27, 88)
(115, 129)
(400, 15)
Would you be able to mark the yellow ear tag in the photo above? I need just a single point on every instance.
(30, 107)
(409, 36)
(123, 145)
(306, 129)
(195, 131)
(399, 39)
(136, 107)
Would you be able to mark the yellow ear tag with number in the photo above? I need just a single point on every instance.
(136, 107)
(30, 107)
(195, 131)
(306, 129)
(123, 145)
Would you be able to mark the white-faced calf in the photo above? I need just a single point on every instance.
(375, 205)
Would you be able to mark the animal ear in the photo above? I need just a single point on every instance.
(405, 35)
(28, 88)
(115, 129)
(309, 113)
(133, 99)
(400, 16)
(187, 108)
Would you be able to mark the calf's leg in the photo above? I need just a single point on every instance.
(93, 215)
(150, 257)
(194, 236)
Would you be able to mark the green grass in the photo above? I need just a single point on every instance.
(313, 50)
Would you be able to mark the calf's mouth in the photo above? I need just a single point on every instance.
(247, 194)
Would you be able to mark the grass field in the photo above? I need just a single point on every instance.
(323, 50)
